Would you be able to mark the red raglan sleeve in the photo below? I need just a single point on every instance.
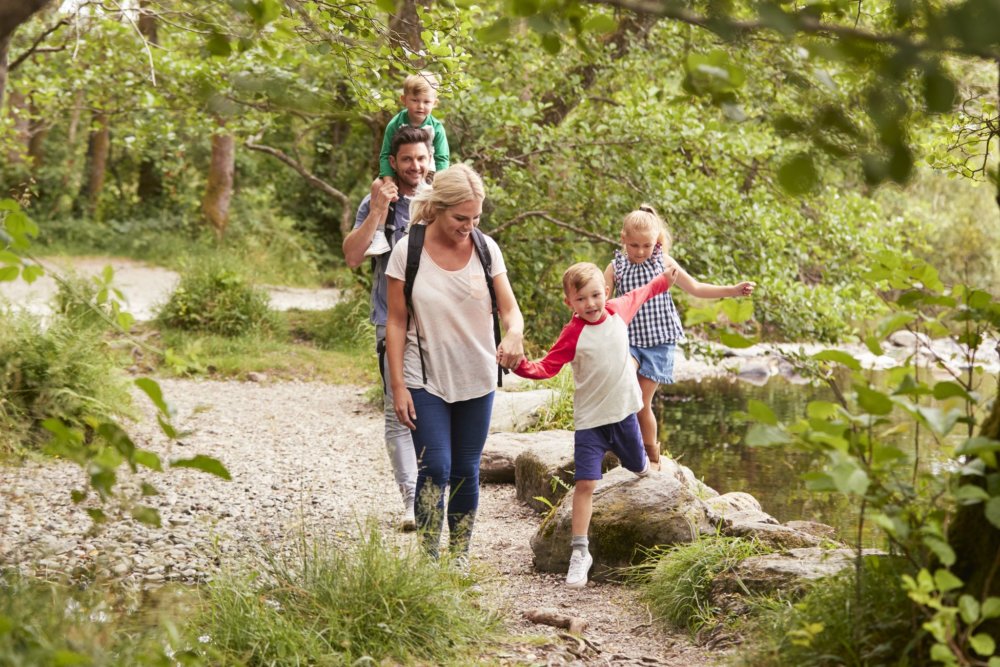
(627, 305)
(563, 351)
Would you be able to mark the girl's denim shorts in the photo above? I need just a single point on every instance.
(655, 363)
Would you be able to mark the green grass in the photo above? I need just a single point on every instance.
(558, 413)
(45, 623)
(369, 602)
(676, 581)
(63, 371)
(828, 626)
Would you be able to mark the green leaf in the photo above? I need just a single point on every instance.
(970, 494)
(872, 401)
(9, 273)
(798, 175)
(152, 389)
(764, 435)
(938, 420)
(97, 515)
(849, 478)
(822, 409)
(991, 608)
(977, 445)
(946, 581)
(203, 463)
(552, 43)
(32, 272)
(874, 345)
(149, 490)
(982, 644)
(737, 310)
(497, 31)
(149, 459)
(893, 323)
(761, 412)
(387, 6)
(968, 607)
(734, 340)
(839, 357)
(147, 515)
(601, 24)
(67, 658)
(950, 389)
(992, 511)
(218, 45)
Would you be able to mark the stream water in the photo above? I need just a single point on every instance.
(699, 426)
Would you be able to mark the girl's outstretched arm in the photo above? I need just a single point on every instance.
(709, 291)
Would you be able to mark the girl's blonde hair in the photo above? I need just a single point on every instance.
(452, 186)
(645, 220)
(579, 275)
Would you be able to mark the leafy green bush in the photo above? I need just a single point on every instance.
(337, 605)
(61, 371)
(46, 623)
(676, 581)
(216, 297)
(834, 625)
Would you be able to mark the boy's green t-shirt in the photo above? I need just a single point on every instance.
(442, 156)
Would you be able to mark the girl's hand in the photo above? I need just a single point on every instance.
(670, 269)
(510, 352)
(403, 404)
(745, 288)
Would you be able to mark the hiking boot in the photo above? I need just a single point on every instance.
(579, 565)
(379, 244)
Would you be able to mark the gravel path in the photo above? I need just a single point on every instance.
(306, 458)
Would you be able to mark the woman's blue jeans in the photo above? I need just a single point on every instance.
(449, 442)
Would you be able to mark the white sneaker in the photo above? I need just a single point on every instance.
(579, 565)
(409, 523)
(379, 244)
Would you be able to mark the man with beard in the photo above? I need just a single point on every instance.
(387, 209)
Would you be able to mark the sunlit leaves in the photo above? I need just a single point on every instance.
(204, 463)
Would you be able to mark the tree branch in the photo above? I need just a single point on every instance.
(13, 14)
(34, 48)
(801, 23)
(310, 178)
(558, 223)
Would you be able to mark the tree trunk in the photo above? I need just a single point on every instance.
(219, 191)
(12, 14)
(98, 148)
(4, 48)
(150, 187)
(975, 540)
(405, 28)
(17, 109)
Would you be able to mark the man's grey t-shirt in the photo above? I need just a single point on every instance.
(379, 309)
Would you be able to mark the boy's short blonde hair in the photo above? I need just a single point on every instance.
(580, 274)
(420, 83)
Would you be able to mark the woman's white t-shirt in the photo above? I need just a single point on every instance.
(453, 312)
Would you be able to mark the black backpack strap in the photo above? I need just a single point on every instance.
(414, 248)
(483, 251)
(390, 228)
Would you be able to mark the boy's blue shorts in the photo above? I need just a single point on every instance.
(622, 438)
(655, 363)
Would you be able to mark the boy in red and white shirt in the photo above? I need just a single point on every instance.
(607, 395)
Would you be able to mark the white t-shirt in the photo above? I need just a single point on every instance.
(453, 312)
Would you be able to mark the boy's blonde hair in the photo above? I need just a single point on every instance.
(452, 186)
(420, 83)
(580, 274)
(645, 220)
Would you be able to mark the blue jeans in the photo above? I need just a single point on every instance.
(449, 442)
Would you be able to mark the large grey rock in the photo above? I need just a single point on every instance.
(518, 410)
(630, 514)
(788, 572)
(502, 449)
(550, 457)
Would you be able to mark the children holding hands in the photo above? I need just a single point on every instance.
(607, 396)
(656, 329)
(620, 351)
